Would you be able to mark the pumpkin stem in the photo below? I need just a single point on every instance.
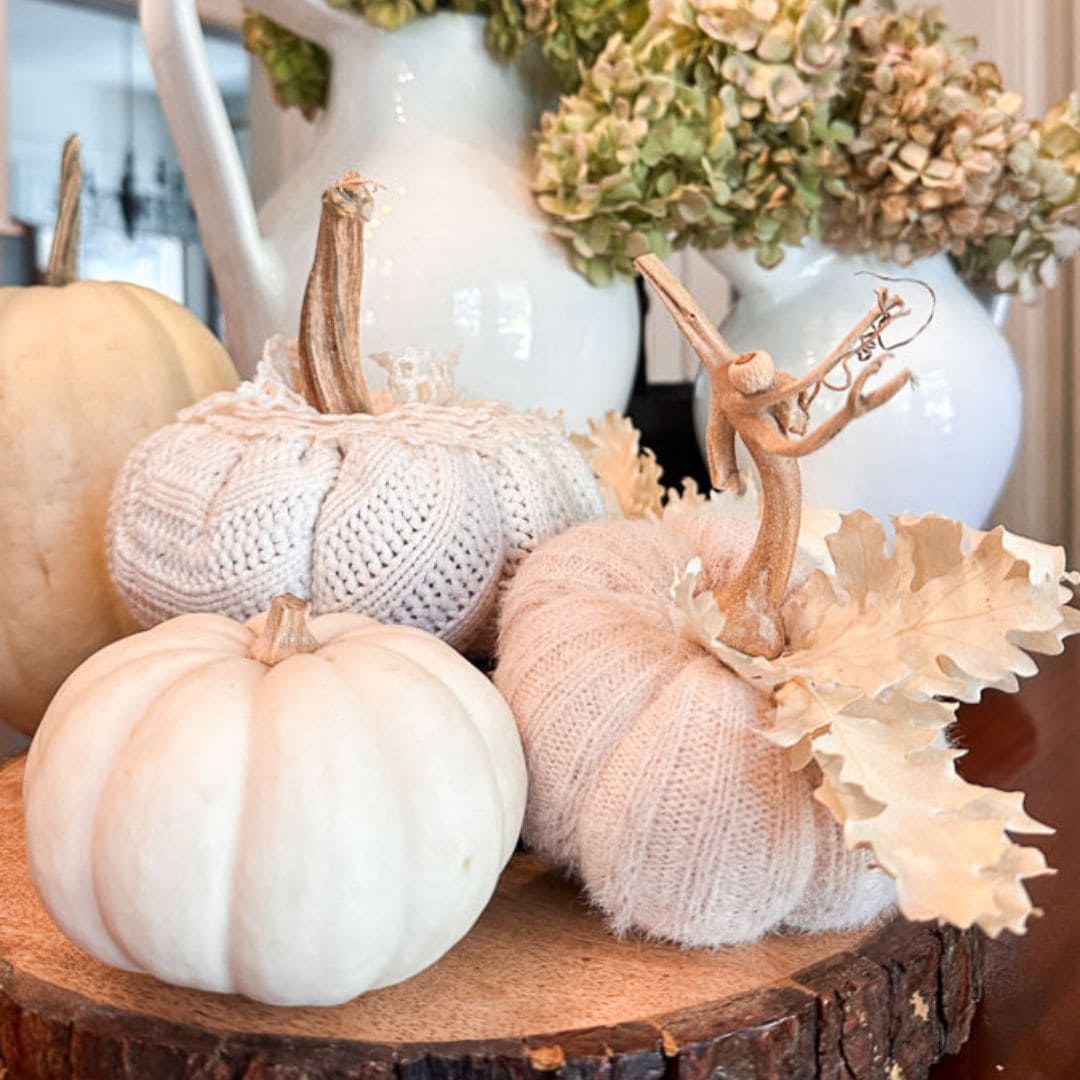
(64, 255)
(766, 411)
(285, 632)
(331, 371)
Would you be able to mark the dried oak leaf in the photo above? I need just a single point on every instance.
(948, 612)
(889, 777)
(629, 477)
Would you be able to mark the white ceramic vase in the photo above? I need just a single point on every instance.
(458, 253)
(946, 445)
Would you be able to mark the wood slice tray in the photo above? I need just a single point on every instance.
(538, 987)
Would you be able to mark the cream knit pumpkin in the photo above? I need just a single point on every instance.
(646, 777)
(415, 515)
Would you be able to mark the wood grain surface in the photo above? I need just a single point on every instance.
(1028, 1026)
(538, 986)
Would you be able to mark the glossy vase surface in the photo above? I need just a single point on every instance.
(946, 445)
(457, 252)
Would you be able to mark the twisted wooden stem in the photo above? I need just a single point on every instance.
(765, 420)
(63, 267)
(331, 371)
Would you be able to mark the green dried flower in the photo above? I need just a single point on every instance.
(505, 33)
(1059, 139)
(573, 33)
(709, 127)
(298, 69)
(388, 14)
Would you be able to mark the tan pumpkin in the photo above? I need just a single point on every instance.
(648, 778)
(87, 369)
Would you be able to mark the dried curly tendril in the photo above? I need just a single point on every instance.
(570, 34)
(710, 126)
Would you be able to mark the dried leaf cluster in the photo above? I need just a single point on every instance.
(871, 648)
(943, 159)
(629, 477)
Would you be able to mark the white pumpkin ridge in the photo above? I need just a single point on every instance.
(299, 833)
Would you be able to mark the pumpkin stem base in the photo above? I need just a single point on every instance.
(285, 632)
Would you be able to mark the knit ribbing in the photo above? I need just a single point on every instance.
(646, 776)
(416, 515)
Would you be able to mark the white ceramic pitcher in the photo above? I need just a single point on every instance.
(947, 445)
(458, 253)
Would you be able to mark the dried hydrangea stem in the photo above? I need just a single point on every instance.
(63, 266)
(331, 371)
(285, 633)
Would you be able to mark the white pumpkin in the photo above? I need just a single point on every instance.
(415, 509)
(295, 811)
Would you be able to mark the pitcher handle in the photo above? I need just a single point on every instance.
(244, 269)
(208, 153)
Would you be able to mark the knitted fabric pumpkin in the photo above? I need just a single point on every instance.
(412, 515)
(646, 777)
(413, 510)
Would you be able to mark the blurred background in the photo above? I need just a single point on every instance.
(83, 67)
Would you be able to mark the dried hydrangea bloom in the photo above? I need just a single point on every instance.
(573, 33)
(710, 126)
(298, 69)
(943, 160)
(1044, 171)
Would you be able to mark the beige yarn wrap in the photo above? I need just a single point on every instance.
(417, 514)
(645, 776)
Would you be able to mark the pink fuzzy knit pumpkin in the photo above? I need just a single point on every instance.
(646, 777)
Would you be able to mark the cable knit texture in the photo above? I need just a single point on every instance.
(417, 514)
(646, 777)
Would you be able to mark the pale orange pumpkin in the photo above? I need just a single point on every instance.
(87, 369)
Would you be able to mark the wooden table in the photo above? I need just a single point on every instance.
(1028, 1025)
